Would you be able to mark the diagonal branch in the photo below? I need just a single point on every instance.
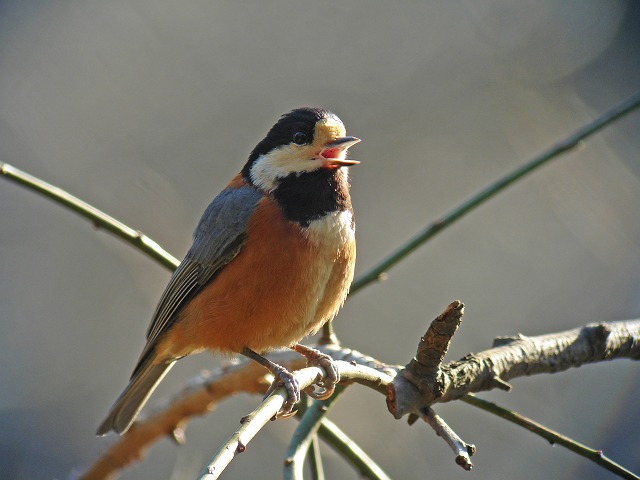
(202, 396)
(570, 142)
(462, 450)
(304, 435)
(171, 419)
(476, 373)
(313, 423)
(350, 451)
(553, 437)
(254, 422)
(596, 456)
(99, 219)
(315, 460)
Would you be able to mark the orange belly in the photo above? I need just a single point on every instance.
(282, 286)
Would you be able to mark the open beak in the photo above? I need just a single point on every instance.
(332, 152)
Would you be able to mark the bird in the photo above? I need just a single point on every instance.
(272, 260)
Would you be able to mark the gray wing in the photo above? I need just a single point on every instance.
(217, 239)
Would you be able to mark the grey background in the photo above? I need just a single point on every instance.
(147, 108)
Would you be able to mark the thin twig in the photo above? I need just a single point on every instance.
(254, 422)
(315, 460)
(99, 219)
(303, 436)
(461, 449)
(203, 393)
(350, 451)
(551, 436)
(200, 397)
(379, 271)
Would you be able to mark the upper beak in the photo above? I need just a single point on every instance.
(332, 151)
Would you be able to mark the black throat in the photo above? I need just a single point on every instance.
(309, 196)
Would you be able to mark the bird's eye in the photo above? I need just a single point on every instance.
(299, 138)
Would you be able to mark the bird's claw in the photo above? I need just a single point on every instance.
(328, 364)
(283, 415)
(284, 378)
(332, 375)
(323, 394)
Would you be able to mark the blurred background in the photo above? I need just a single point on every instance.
(147, 108)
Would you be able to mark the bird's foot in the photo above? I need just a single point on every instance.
(284, 378)
(328, 364)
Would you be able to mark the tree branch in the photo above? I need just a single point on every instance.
(99, 219)
(171, 419)
(379, 271)
(304, 434)
(510, 358)
(315, 460)
(551, 436)
(350, 451)
(463, 451)
(254, 422)
(204, 393)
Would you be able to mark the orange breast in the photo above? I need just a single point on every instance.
(283, 285)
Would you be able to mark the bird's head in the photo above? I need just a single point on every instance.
(303, 140)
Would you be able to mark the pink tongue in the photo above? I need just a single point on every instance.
(331, 153)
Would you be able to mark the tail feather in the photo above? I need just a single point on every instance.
(142, 384)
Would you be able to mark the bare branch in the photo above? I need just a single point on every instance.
(304, 434)
(350, 451)
(378, 272)
(424, 370)
(201, 397)
(315, 460)
(514, 357)
(170, 420)
(99, 219)
(254, 422)
(463, 451)
(553, 437)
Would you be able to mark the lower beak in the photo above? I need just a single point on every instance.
(332, 152)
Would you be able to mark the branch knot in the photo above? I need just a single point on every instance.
(423, 375)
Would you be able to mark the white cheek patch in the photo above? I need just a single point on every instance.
(279, 163)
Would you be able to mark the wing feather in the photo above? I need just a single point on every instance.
(218, 238)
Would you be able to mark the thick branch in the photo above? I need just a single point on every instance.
(424, 371)
(516, 357)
